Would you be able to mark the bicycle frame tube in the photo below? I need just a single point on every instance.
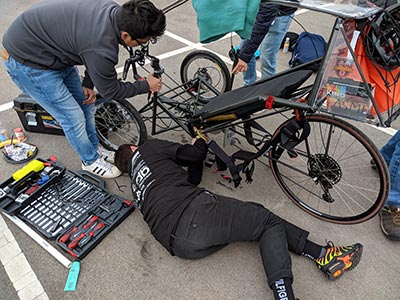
(166, 103)
(338, 31)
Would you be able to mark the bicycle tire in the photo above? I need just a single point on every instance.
(211, 67)
(336, 157)
(117, 123)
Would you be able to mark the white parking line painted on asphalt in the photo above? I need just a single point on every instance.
(18, 269)
(388, 130)
(6, 106)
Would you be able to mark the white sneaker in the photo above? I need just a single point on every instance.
(106, 154)
(102, 169)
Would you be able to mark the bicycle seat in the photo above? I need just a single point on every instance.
(249, 99)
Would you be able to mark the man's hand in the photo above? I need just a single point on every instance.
(199, 135)
(90, 96)
(240, 67)
(155, 84)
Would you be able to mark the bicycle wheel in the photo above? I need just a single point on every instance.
(206, 65)
(329, 175)
(117, 123)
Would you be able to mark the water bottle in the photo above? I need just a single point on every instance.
(286, 45)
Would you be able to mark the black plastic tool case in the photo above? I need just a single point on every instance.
(76, 203)
(9, 201)
(35, 118)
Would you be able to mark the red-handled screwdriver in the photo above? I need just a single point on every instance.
(91, 221)
(83, 241)
(97, 229)
(84, 227)
(91, 234)
(66, 236)
(75, 242)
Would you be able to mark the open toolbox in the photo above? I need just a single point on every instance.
(25, 184)
(75, 209)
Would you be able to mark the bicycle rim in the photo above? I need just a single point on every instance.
(208, 66)
(118, 123)
(330, 175)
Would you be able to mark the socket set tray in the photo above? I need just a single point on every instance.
(75, 209)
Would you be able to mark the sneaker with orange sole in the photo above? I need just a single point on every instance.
(337, 260)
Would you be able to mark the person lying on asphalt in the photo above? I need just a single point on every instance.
(192, 222)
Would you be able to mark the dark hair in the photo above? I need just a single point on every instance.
(140, 19)
(123, 158)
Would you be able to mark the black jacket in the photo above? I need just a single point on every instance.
(162, 189)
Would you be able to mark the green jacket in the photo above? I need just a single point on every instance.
(215, 18)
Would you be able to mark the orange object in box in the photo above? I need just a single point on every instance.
(385, 97)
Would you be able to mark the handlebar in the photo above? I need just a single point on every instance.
(139, 57)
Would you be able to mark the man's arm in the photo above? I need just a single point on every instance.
(100, 72)
(265, 16)
(267, 13)
(193, 156)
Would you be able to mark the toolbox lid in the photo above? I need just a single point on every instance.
(25, 103)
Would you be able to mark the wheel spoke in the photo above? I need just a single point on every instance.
(331, 176)
(212, 71)
(118, 123)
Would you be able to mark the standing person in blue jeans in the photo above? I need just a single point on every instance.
(390, 214)
(272, 23)
(43, 46)
(269, 48)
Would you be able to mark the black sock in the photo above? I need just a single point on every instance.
(313, 250)
(282, 289)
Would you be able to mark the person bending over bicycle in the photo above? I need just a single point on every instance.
(44, 44)
(192, 222)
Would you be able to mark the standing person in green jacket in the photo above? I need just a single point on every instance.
(44, 44)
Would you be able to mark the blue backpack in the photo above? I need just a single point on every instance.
(309, 46)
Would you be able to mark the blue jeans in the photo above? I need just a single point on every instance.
(391, 154)
(250, 76)
(60, 93)
(269, 48)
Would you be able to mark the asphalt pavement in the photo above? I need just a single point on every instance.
(130, 264)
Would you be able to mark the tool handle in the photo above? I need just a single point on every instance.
(66, 236)
(90, 223)
(83, 229)
(75, 242)
(97, 229)
(32, 189)
(127, 202)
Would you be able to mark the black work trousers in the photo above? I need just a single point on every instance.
(211, 221)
